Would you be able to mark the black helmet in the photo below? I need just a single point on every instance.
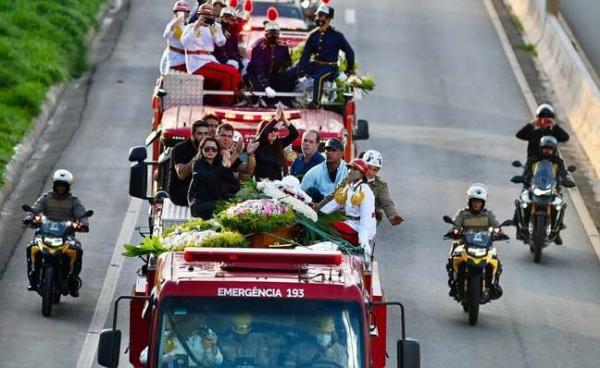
(545, 111)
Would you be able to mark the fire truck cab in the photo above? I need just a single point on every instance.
(282, 295)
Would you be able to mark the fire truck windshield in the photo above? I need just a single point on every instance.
(273, 332)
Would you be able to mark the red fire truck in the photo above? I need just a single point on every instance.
(178, 101)
(281, 293)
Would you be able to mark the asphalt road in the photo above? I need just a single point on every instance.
(444, 113)
(582, 17)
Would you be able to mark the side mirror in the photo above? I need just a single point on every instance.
(138, 180)
(161, 92)
(571, 168)
(517, 179)
(27, 208)
(88, 213)
(448, 220)
(109, 347)
(137, 154)
(362, 130)
(409, 354)
(160, 196)
(517, 163)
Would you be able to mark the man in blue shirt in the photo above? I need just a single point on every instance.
(310, 156)
(321, 180)
(324, 45)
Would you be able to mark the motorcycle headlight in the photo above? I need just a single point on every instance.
(477, 252)
(541, 192)
(53, 242)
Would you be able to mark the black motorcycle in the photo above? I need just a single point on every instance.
(540, 209)
(474, 268)
(53, 252)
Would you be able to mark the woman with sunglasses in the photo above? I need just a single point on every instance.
(271, 162)
(212, 180)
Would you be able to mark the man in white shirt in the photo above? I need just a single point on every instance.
(174, 55)
(200, 39)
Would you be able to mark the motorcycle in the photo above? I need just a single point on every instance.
(540, 209)
(474, 267)
(53, 253)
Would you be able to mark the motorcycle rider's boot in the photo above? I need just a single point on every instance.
(495, 291)
(558, 240)
(74, 280)
(451, 282)
(33, 277)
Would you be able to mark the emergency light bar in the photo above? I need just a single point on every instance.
(292, 257)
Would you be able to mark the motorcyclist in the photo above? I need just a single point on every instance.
(548, 151)
(323, 347)
(243, 347)
(474, 217)
(59, 205)
(544, 124)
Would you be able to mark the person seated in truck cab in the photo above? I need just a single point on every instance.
(182, 158)
(269, 60)
(322, 347)
(212, 179)
(243, 347)
(187, 340)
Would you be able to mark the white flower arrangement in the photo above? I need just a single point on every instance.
(288, 191)
(176, 240)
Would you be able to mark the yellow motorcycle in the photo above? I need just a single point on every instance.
(53, 254)
(474, 268)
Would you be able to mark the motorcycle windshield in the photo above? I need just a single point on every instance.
(256, 332)
(479, 239)
(54, 229)
(543, 175)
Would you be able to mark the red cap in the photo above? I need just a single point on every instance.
(360, 165)
(233, 3)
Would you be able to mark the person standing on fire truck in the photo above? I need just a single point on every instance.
(358, 202)
(174, 55)
(324, 45)
(200, 39)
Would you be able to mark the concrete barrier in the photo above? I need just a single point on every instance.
(574, 86)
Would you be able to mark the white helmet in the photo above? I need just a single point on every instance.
(545, 111)
(477, 191)
(373, 158)
(62, 175)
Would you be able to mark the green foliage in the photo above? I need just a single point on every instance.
(41, 43)
(192, 225)
(254, 224)
(528, 48)
(225, 239)
(322, 230)
(149, 245)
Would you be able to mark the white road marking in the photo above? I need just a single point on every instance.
(576, 198)
(350, 16)
(103, 306)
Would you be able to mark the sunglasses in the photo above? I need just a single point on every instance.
(210, 149)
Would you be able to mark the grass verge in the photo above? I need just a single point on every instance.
(42, 42)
